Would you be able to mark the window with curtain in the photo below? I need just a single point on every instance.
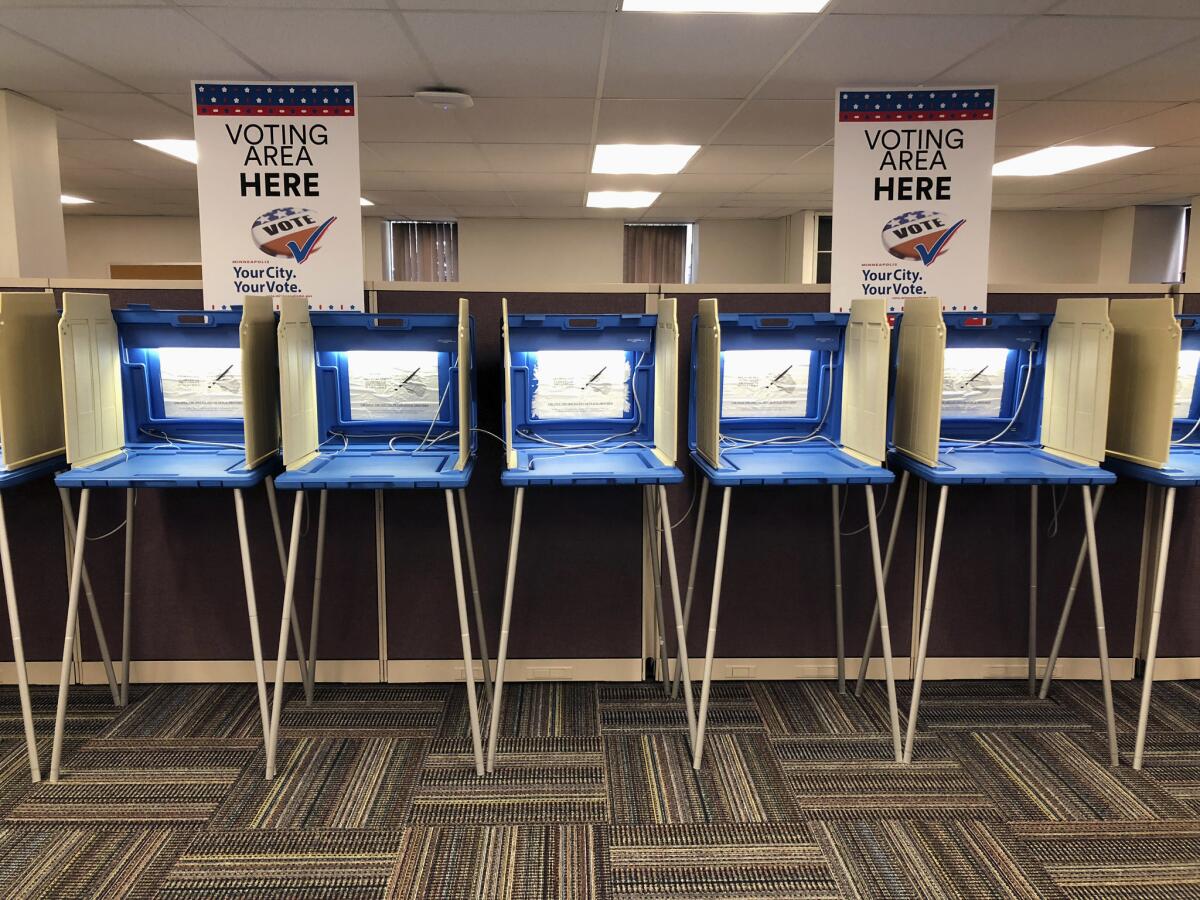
(660, 253)
(824, 249)
(423, 251)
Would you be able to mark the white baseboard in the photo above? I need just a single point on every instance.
(408, 671)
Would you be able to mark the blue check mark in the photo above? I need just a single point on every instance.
(929, 255)
(300, 254)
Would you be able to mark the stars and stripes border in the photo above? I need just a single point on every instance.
(240, 99)
(963, 104)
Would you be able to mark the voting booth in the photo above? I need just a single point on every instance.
(591, 401)
(1153, 416)
(165, 399)
(377, 402)
(1003, 399)
(31, 441)
(792, 399)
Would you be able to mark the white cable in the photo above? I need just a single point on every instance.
(1188, 435)
(1011, 422)
(175, 441)
(879, 512)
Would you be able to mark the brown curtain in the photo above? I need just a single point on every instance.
(655, 253)
(425, 251)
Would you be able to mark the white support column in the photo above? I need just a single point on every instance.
(32, 239)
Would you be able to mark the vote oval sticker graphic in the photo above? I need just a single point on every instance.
(290, 232)
(919, 235)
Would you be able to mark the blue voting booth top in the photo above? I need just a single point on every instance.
(817, 459)
(1183, 462)
(383, 454)
(1018, 457)
(10, 478)
(564, 449)
(154, 454)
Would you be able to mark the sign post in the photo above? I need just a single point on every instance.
(279, 192)
(912, 195)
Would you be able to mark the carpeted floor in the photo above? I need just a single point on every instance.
(1008, 796)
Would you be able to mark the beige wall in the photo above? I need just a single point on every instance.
(1045, 247)
(741, 251)
(529, 251)
(96, 242)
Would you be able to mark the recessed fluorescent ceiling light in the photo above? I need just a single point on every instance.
(1053, 160)
(642, 159)
(363, 201)
(68, 200)
(725, 6)
(621, 199)
(185, 150)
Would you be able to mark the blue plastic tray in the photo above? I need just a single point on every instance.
(1182, 469)
(791, 465)
(550, 465)
(13, 477)
(170, 467)
(378, 468)
(1002, 465)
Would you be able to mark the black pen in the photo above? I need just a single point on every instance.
(594, 377)
(780, 375)
(222, 375)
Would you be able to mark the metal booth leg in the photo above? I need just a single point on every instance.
(510, 574)
(691, 585)
(885, 632)
(273, 503)
(869, 646)
(1070, 601)
(926, 618)
(465, 632)
(1033, 586)
(64, 678)
(840, 625)
(318, 572)
(90, 596)
(702, 718)
(239, 506)
(1160, 582)
(680, 630)
(1089, 516)
(480, 625)
(14, 625)
(127, 601)
(651, 520)
(289, 596)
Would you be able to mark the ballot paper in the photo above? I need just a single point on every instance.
(760, 384)
(393, 385)
(581, 384)
(201, 382)
(1185, 383)
(973, 382)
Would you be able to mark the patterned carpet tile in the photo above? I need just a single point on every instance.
(651, 780)
(181, 711)
(537, 781)
(1123, 860)
(297, 865)
(637, 708)
(90, 709)
(719, 862)
(1172, 760)
(558, 709)
(64, 863)
(362, 710)
(858, 778)
(327, 783)
(947, 860)
(1060, 777)
(1173, 706)
(998, 705)
(790, 708)
(138, 781)
(514, 862)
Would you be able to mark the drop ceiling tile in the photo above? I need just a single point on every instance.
(73, 131)
(1172, 74)
(1150, 162)
(537, 157)
(735, 212)
(383, 198)
(432, 157)
(774, 122)
(849, 50)
(26, 67)
(547, 198)
(366, 46)
(1046, 55)
(671, 200)
(546, 181)
(81, 182)
(1055, 121)
(730, 158)
(659, 214)
(818, 160)
(183, 48)
(419, 213)
(551, 212)
(120, 154)
(673, 56)
(290, 4)
(476, 198)
(702, 184)
(1147, 184)
(661, 121)
(443, 181)
(406, 119)
(1048, 184)
(1177, 125)
(1143, 8)
(120, 115)
(496, 55)
(510, 6)
(530, 120)
(946, 7)
(795, 184)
